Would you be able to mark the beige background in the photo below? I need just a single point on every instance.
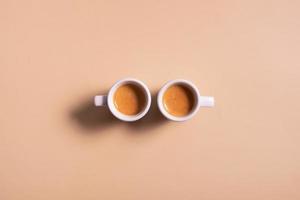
(55, 55)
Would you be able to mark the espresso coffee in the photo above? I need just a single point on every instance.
(129, 99)
(178, 100)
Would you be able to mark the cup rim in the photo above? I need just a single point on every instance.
(116, 112)
(163, 90)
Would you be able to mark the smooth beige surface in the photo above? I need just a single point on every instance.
(55, 55)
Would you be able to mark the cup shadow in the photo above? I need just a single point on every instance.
(92, 118)
(97, 119)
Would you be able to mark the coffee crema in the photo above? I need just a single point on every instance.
(129, 99)
(178, 100)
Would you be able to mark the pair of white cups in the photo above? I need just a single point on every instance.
(107, 100)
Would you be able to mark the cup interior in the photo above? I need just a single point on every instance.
(146, 97)
(192, 89)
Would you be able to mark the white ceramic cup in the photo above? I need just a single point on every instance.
(108, 100)
(200, 101)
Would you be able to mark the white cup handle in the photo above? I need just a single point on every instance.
(100, 100)
(206, 101)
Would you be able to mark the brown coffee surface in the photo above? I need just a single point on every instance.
(178, 100)
(129, 99)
